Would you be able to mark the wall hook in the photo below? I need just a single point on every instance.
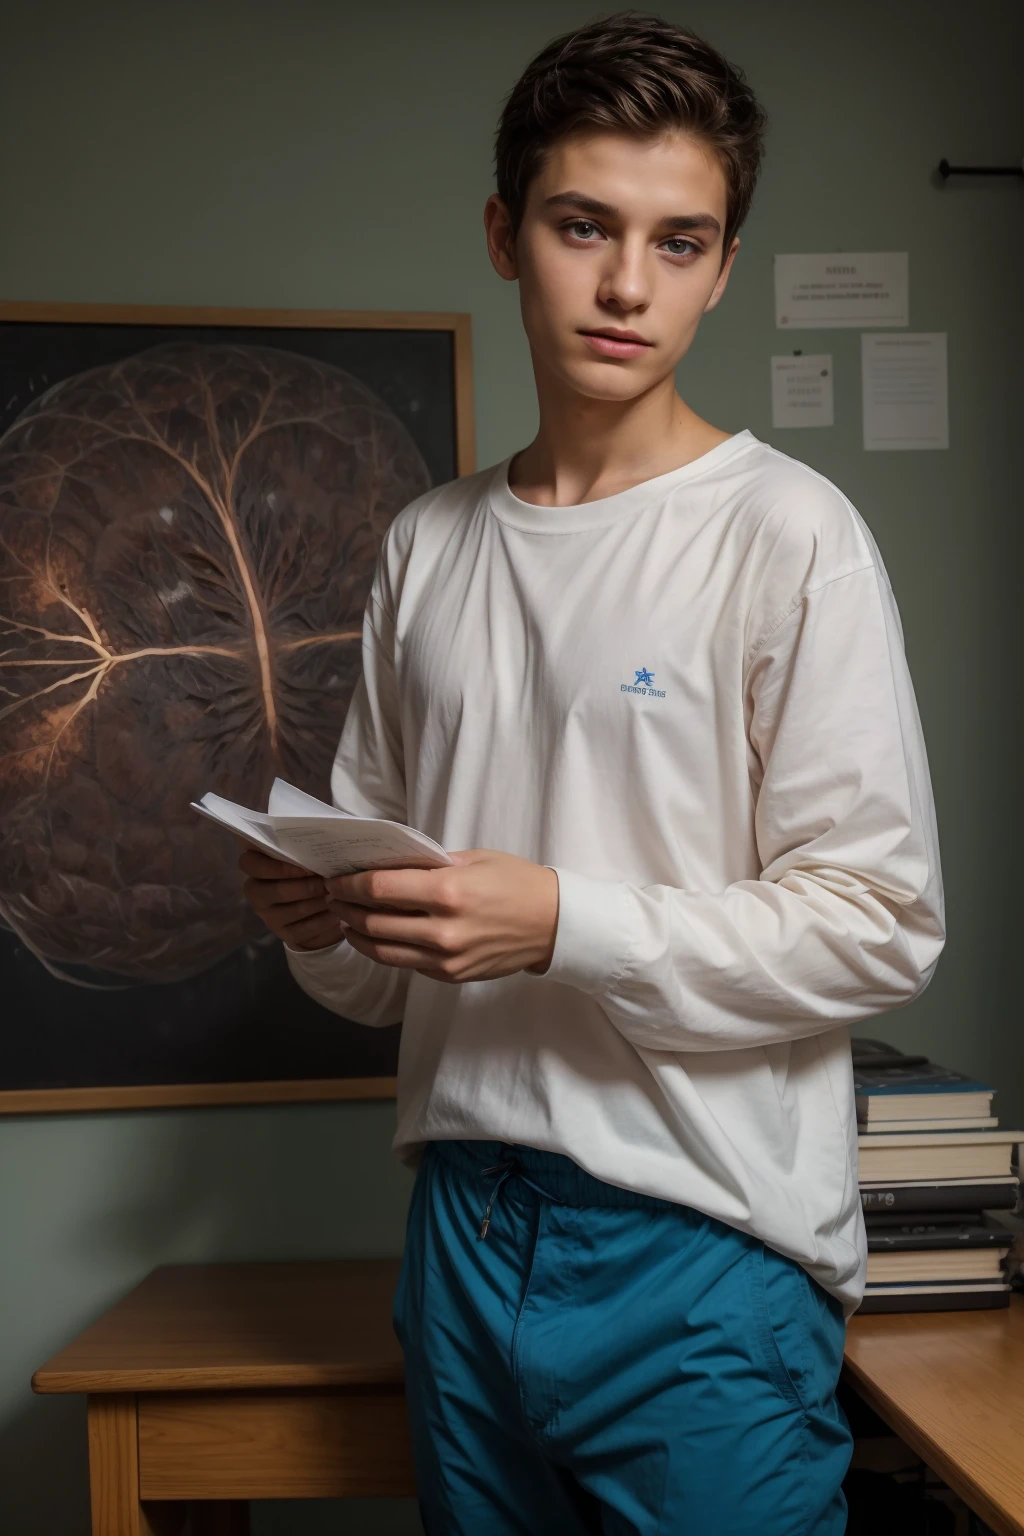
(945, 169)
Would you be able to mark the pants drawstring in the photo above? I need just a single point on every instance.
(507, 1166)
(504, 1168)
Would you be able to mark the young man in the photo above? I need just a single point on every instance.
(649, 677)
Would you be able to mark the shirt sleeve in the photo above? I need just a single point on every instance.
(846, 920)
(367, 779)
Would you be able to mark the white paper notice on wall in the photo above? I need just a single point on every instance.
(841, 290)
(802, 391)
(904, 386)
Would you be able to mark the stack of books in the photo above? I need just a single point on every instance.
(934, 1165)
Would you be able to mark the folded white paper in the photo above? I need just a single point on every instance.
(302, 830)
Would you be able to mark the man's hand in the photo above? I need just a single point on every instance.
(488, 915)
(292, 902)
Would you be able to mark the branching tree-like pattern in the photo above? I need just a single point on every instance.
(187, 540)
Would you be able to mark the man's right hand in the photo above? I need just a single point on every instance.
(292, 902)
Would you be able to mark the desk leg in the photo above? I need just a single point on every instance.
(117, 1509)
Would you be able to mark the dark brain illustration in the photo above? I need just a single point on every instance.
(187, 540)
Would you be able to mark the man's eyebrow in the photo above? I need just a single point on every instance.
(583, 204)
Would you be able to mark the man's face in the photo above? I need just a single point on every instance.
(618, 234)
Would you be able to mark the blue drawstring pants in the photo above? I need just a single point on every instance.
(583, 1360)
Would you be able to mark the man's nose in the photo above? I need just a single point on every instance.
(626, 280)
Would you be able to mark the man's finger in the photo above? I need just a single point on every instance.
(392, 927)
(313, 932)
(261, 866)
(417, 890)
(406, 957)
(286, 913)
(278, 893)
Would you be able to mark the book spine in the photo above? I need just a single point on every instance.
(940, 1197)
(885, 1221)
(939, 1239)
(950, 1301)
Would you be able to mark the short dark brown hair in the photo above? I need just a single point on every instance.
(631, 73)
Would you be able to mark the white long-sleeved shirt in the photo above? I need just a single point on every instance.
(691, 700)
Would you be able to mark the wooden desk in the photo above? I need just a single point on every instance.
(217, 1384)
(951, 1384)
(210, 1385)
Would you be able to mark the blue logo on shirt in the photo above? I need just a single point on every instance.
(644, 679)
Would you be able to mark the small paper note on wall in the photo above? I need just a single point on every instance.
(802, 391)
(840, 290)
(904, 389)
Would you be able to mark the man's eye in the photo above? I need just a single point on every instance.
(682, 247)
(582, 228)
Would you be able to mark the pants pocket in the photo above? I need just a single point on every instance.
(411, 1244)
(799, 1328)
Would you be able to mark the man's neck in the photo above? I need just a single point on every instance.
(586, 449)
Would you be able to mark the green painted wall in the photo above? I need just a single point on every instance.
(325, 154)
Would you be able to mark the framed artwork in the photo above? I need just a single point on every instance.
(191, 506)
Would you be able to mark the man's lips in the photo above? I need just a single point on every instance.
(616, 344)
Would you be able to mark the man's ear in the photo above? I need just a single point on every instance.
(501, 245)
(723, 276)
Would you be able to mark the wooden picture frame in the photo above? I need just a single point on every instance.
(33, 335)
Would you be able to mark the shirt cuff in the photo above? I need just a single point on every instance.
(592, 945)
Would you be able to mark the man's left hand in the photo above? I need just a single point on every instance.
(488, 914)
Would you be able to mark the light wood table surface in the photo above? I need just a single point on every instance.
(951, 1384)
(211, 1385)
